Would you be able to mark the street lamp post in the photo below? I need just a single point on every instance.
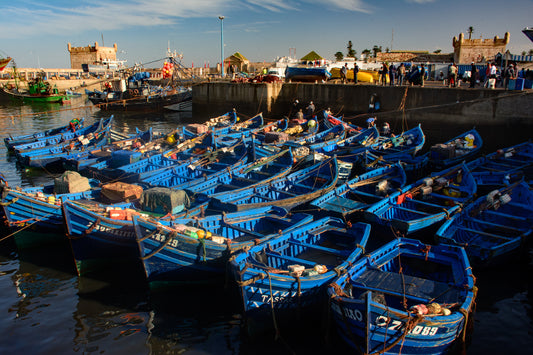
(221, 18)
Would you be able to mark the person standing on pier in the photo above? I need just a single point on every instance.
(452, 75)
(392, 75)
(401, 74)
(344, 72)
(355, 71)
(422, 74)
(384, 74)
(473, 71)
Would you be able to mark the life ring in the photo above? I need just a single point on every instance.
(135, 92)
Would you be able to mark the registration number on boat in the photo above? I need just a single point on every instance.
(162, 238)
(393, 324)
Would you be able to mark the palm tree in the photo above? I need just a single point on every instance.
(376, 50)
(366, 52)
(470, 31)
(351, 52)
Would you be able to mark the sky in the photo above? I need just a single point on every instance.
(35, 33)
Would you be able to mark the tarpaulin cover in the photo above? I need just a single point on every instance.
(71, 182)
(164, 200)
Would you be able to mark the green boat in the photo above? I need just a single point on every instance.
(39, 90)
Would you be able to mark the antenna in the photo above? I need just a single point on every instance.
(102, 40)
(392, 39)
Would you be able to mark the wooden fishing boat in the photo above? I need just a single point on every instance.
(152, 162)
(426, 202)
(415, 167)
(4, 62)
(198, 249)
(292, 271)
(321, 140)
(54, 134)
(494, 227)
(45, 157)
(34, 213)
(409, 142)
(96, 238)
(117, 151)
(55, 140)
(290, 191)
(461, 148)
(206, 167)
(505, 166)
(405, 297)
(349, 200)
(153, 98)
(258, 171)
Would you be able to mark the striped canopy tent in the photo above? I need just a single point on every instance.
(312, 58)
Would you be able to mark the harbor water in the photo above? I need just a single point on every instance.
(46, 309)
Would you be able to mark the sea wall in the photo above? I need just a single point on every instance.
(435, 103)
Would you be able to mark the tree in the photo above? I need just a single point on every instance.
(351, 52)
(339, 56)
(376, 50)
(437, 51)
(523, 52)
(470, 31)
(366, 52)
(530, 52)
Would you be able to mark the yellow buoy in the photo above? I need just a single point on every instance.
(201, 234)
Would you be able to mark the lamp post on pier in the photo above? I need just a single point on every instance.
(221, 18)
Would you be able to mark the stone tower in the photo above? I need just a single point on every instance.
(91, 55)
(478, 50)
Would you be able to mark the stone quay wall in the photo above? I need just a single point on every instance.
(431, 103)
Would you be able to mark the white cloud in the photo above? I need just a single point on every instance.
(421, 1)
(20, 19)
(350, 5)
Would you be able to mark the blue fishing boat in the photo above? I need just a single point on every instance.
(308, 74)
(224, 159)
(57, 139)
(73, 126)
(426, 202)
(290, 191)
(292, 271)
(349, 200)
(415, 167)
(42, 148)
(34, 213)
(320, 141)
(328, 120)
(45, 157)
(198, 249)
(130, 146)
(259, 171)
(494, 227)
(404, 298)
(409, 142)
(152, 162)
(96, 237)
(505, 166)
(461, 148)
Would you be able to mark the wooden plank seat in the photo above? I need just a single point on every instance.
(341, 253)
